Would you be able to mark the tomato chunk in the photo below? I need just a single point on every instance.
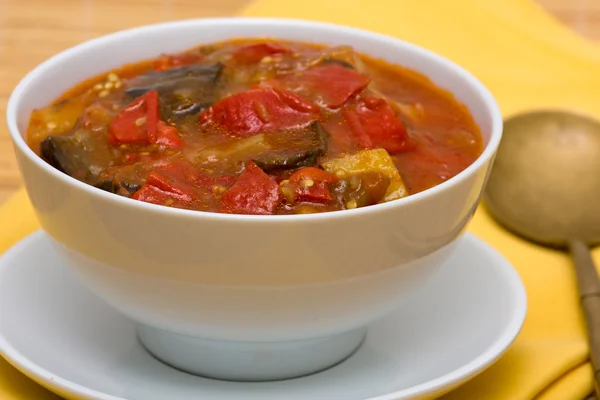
(315, 174)
(312, 184)
(260, 111)
(255, 52)
(136, 122)
(375, 125)
(168, 61)
(253, 193)
(167, 135)
(330, 85)
(318, 193)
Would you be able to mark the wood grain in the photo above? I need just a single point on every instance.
(33, 30)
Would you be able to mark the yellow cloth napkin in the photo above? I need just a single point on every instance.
(528, 60)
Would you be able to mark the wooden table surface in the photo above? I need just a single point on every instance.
(33, 30)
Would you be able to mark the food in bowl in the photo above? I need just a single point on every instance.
(258, 127)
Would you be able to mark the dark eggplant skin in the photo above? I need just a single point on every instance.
(82, 155)
(52, 152)
(295, 158)
(167, 80)
(182, 91)
(342, 63)
(287, 159)
(130, 187)
(114, 186)
(107, 185)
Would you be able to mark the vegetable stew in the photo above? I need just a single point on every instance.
(258, 127)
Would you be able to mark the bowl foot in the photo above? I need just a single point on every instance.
(249, 361)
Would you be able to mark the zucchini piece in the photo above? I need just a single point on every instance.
(369, 161)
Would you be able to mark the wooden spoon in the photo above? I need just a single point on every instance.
(545, 187)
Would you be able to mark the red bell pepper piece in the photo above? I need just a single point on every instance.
(255, 52)
(253, 193)
(167, 135)
(139, 123)
(155, 195)
(330, 85)
(375, 125)
(136, 122)
(177, 185)
(167, 185)
(182, 177)
(312, 184)
(260, 111)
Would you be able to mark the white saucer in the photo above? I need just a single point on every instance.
(58, 333)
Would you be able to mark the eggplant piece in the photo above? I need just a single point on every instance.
(82, 155)
(342, 63)
(168, 80)
(270, 151)
(114, 186)
(107, 185)
(182, 91)
(123, 180)
(287, 159)
(344, 56)
(304, 151)
(131, 187)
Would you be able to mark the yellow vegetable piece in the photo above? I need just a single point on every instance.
(376, 160)
(395, 191)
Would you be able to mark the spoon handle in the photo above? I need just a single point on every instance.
(589, 292)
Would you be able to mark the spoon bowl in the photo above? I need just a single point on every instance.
(545, 184)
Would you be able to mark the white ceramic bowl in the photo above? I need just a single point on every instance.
(248, 297)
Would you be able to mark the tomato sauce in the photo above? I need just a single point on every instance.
(258, 127)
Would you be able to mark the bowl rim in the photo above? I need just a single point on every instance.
(288, 23)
